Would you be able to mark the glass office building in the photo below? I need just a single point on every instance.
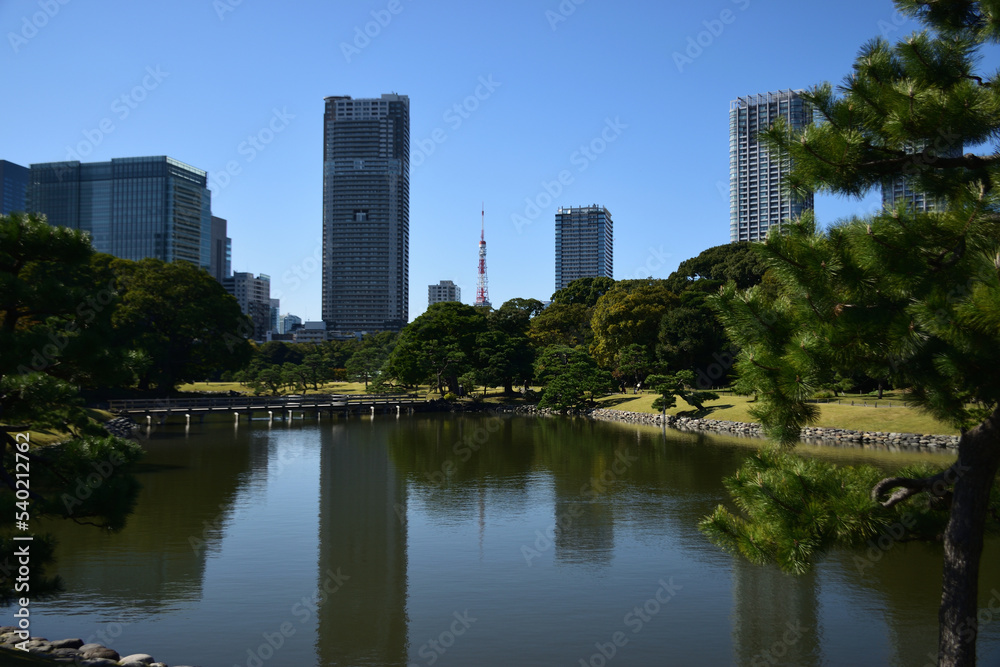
(13, 187)
(757, 202)
(584, 244)
(366, 213)
(132, 208)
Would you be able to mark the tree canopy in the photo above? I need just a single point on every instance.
(908, 295)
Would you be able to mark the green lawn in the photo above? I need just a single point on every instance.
(832, 415)
(42, 437)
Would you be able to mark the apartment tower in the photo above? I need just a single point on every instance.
(366, 213)
(757, 202)
(584, 244)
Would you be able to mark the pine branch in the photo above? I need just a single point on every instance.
(908, 486)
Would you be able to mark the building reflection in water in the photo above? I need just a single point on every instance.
(362, 547)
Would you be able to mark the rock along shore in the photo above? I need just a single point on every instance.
(816, 435)
(66, 652)
(812, 434)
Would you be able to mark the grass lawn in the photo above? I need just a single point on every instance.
(832, 415)
(42, 437)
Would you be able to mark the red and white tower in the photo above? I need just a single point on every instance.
(482, 287)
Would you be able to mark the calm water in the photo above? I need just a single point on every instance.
(443, 540)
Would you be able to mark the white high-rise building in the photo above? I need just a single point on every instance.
(757, 203)
(446, 290)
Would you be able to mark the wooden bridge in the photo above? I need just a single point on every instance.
(276, 407)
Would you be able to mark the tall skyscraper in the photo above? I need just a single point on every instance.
(222, 250)
(366, 213)
(13, 187)
(756, 201)
(133, 208)
(584, 244)
(446, 290)
(898, 190)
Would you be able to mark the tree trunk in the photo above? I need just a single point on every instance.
(978, 459)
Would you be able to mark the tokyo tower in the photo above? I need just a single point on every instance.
(482, 287)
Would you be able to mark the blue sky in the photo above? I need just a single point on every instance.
(627, 102)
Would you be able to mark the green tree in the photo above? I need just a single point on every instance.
(629, 313)
(678, 385)
(182, 319)
(50, 304)
(567, 320)
(632, 364)
(439, 345)
(370, 356)
(571, 377)
(910, 296)
(504, 354)
(690, 337)
(583, 291)
(716, 266)
(316, 369)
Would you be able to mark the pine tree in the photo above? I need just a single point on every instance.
(909, 296)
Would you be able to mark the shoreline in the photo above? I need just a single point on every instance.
(814, 435)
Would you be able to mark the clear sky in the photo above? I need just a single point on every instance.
(627, 101)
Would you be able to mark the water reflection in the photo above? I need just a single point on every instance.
(548, 532)
(362, 555)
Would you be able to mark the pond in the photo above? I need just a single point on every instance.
(473, 540)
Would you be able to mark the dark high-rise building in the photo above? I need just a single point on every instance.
(133, 208)
(584, 244)
(13, 187)
(222, 250)
(757, 200)
(366, 213)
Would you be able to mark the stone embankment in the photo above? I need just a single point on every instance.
(67, 652)
(813, 434)
(123, 427)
